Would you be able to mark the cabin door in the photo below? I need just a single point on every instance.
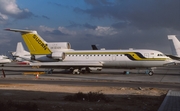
(146, 55)
(113, 57)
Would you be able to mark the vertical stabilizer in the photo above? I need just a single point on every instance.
(94, 47)
(175, 45)
(35, 44)
(20, 50)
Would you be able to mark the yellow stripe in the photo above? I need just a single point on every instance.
(134, 55)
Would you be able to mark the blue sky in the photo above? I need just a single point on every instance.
(112, 24)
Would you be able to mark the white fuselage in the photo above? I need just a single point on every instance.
(121, 58)
(116, 58)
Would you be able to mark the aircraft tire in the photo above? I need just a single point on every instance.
(76, 71)
(151, 73)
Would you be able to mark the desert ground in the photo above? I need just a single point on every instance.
(44, 97)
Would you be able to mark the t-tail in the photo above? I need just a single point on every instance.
(175, 45)
(35, 44)
(20, 50)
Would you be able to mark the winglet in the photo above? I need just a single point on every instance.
(35, 44)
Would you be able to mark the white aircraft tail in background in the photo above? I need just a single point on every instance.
(175, 45)
(21, 55)
(20, 50)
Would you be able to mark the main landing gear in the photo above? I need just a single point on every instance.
(76, 71)
(80, 70)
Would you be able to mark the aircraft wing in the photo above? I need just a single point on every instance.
(174, 57)
(67, 64)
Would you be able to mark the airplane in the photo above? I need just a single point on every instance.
(81, 60)
(21, 55)
(4, 60)
(175, 47)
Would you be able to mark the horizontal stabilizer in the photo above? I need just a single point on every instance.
(22, 31)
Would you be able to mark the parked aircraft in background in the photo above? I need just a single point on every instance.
(21, 55)
(81, 60)
(94, 47)
(175, 47)
(4, 60)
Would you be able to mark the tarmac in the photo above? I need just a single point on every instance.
(168, 75)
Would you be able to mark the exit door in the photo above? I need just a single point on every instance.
(113, 57)
(146, 55)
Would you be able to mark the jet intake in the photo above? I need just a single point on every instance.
(56, 46)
